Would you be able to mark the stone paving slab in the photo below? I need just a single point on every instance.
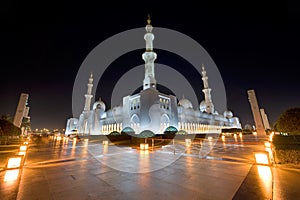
(66, 171)
(190, 178)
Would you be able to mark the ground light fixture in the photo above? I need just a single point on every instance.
(11, 175)
(223, 138)
(14, 162)
(188, 142)
(23, 148)
(105, 142)
(144, 146)
(22, 153)
(12, 168)
(262, 158)
(267, 144)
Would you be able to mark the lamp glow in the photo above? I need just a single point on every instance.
(262, 158)
(144, 146)
(271, 138)
(105, 142)
(11, 175)
(14, 162)
(22, 153)
(188, 142)
(23, 148)
(223, 138)
(267, 144)
(25, 143)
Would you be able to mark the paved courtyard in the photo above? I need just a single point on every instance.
(207, 169)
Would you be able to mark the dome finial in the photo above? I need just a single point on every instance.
(149, 20)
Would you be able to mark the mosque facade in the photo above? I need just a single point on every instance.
(151, 109)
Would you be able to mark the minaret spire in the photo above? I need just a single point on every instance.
(149, 57)
(88, 96)
(206, 90)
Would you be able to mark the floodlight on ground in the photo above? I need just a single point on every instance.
(254, 133)
(22, 153)
(267, 144)
(262, 158)
(271, 137)
(144, 146)
(86, 142)
(11, 175)
(223, 138)
(23, 148)
(105, 142)
(25, 143)
(188, 142)
(14, 162)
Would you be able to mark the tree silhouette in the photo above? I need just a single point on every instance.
(289, 121)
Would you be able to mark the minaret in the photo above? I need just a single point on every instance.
(21, 110)
(256, 113)
(88, 95)
(206, 91)
(149, 56)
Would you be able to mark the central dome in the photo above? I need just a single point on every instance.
(185, 103)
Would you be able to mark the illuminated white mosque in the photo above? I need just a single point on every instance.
(151, 109)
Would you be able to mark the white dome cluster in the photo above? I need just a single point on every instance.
(228, 114)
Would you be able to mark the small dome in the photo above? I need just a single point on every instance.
(117, 110)
(99, 105)
(202, 106)
(228, 114)
(185, 103)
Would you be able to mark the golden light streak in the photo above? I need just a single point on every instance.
(265, 175)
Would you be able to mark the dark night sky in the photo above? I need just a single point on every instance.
(254, 45)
